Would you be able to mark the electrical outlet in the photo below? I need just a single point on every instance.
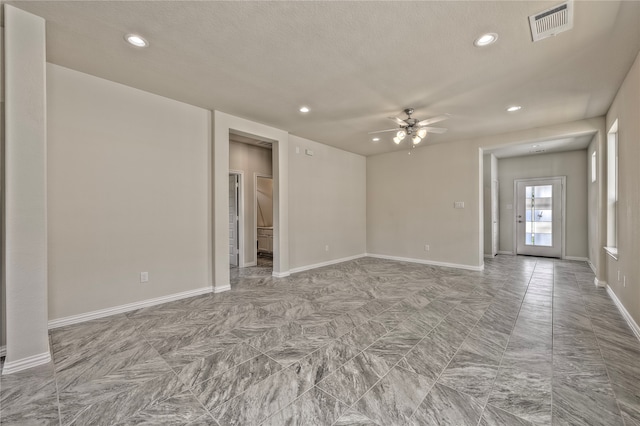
(144, 277)
(326, 248)
(426, 247)
(624, 281)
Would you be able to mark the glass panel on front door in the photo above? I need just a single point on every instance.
(539, 211)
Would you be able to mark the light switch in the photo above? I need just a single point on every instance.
(458, 205)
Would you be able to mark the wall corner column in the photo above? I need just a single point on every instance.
(25, 224)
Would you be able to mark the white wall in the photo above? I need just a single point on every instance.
(128, 192)
(249, 159)
(626, 109)
(327, 203)
(571, 164)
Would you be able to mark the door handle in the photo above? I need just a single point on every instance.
(519, 221)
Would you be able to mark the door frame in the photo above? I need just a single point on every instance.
(563, 203)
(495, 214)
(256, 175)
(240, 175)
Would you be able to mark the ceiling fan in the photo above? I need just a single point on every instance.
(413, 128)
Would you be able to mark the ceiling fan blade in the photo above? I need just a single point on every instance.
(382, 131)
(434, 119)
(434, 129)
(399, 121)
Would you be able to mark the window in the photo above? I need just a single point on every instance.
(612, 188)
(594, 173)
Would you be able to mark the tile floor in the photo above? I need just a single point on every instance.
(529, 341)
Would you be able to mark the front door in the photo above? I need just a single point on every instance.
(539, 216)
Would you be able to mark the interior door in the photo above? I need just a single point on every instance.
(495, 237)
(234, 242)
(539, 217)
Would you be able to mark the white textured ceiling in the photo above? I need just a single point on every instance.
(355, 63)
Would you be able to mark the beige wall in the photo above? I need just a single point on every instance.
(571, 164)
(410, 203)
(626, 109)
(327, 203)
(3, 298)
(128, 192)
(410, 197)
(249, 159)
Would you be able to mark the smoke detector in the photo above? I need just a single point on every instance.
(552, 21)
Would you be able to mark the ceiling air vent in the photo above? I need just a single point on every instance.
(552, 21)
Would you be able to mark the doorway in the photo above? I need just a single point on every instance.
(539, 216)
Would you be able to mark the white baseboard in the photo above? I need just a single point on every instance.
(87, 316)
(577, 258)
(250, 264)
(280, 274)
(592, 266)
(489, 256)
(627, 316)
(222, 289)
(3, 351)
(599, 283)
(25, 363)
(509, 253)
(327, 263)
(429, 262)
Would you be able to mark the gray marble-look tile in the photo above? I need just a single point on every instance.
(30, 410)
(629, 403)
(431, 355)
(262, 400)
(354, 418)
(394, 345)
(446, 406)
(580, 402)
(395, 398)
(314, 407)
(470, 373)
(27, 386)
(319, 364)
(199, 349)
(525, 394)
(364, 335)
(212, 365)
(84, 405)
(353, 379)
(235, 381)
(180, 409)
(297, 348)
(493, 416)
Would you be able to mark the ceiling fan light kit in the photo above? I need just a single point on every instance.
(416, 130)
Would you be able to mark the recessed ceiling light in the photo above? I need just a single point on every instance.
(136, 40)
(375, 139)
(486, 39)
(514, 108)
(534, 146)
(304, 109)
